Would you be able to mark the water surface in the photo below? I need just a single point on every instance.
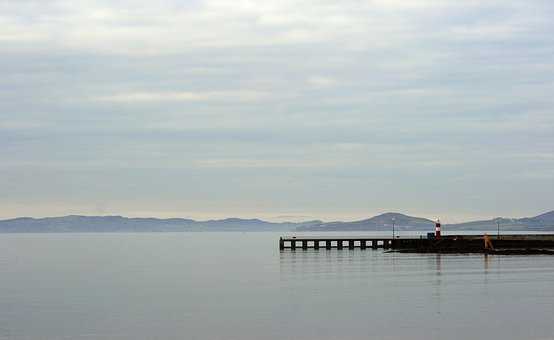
(240, 286)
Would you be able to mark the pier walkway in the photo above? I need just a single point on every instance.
(339, 242)
(459, 243)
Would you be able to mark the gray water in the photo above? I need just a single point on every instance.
(239, 286)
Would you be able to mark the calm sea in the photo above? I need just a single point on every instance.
(239, 286)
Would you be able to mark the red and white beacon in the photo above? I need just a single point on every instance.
(438, 229)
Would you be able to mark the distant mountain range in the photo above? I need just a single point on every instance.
(383, 222)
(543, 222)
(75, 223)
(378, 223)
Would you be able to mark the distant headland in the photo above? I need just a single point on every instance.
(382, 222)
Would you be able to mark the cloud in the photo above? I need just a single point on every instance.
(322, 81)
(262, 163)
(326, 105)
(146, 28)
(215, 96)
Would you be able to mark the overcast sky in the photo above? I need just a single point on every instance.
(277, 109)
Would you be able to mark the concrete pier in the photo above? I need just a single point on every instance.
(310, 242)
(446, 243)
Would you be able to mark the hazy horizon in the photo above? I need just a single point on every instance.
(258, 109)
(277, 219)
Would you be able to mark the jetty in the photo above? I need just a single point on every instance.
(338, 242)
(431, 243)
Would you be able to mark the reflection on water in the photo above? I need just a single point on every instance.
(352, 262)
(421, 296)
(240, 286)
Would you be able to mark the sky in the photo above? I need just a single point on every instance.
(277, 109)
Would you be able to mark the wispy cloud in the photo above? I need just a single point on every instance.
(322, 81)
(215, 96)
(263, 163)
(337, 107)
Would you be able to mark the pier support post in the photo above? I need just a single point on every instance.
(281, 243)
(374, 244)
(339, 244)
(316, 244)
(328, 244)
(293, 244)
(304, 244)
(351, 244)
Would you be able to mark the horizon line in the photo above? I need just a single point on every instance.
(267, 220)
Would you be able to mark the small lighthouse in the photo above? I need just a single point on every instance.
(438, 229)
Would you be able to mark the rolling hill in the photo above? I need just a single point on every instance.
(383, 222)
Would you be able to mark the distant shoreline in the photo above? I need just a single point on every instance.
(383, 222)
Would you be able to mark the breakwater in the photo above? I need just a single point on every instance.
(503, 244)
